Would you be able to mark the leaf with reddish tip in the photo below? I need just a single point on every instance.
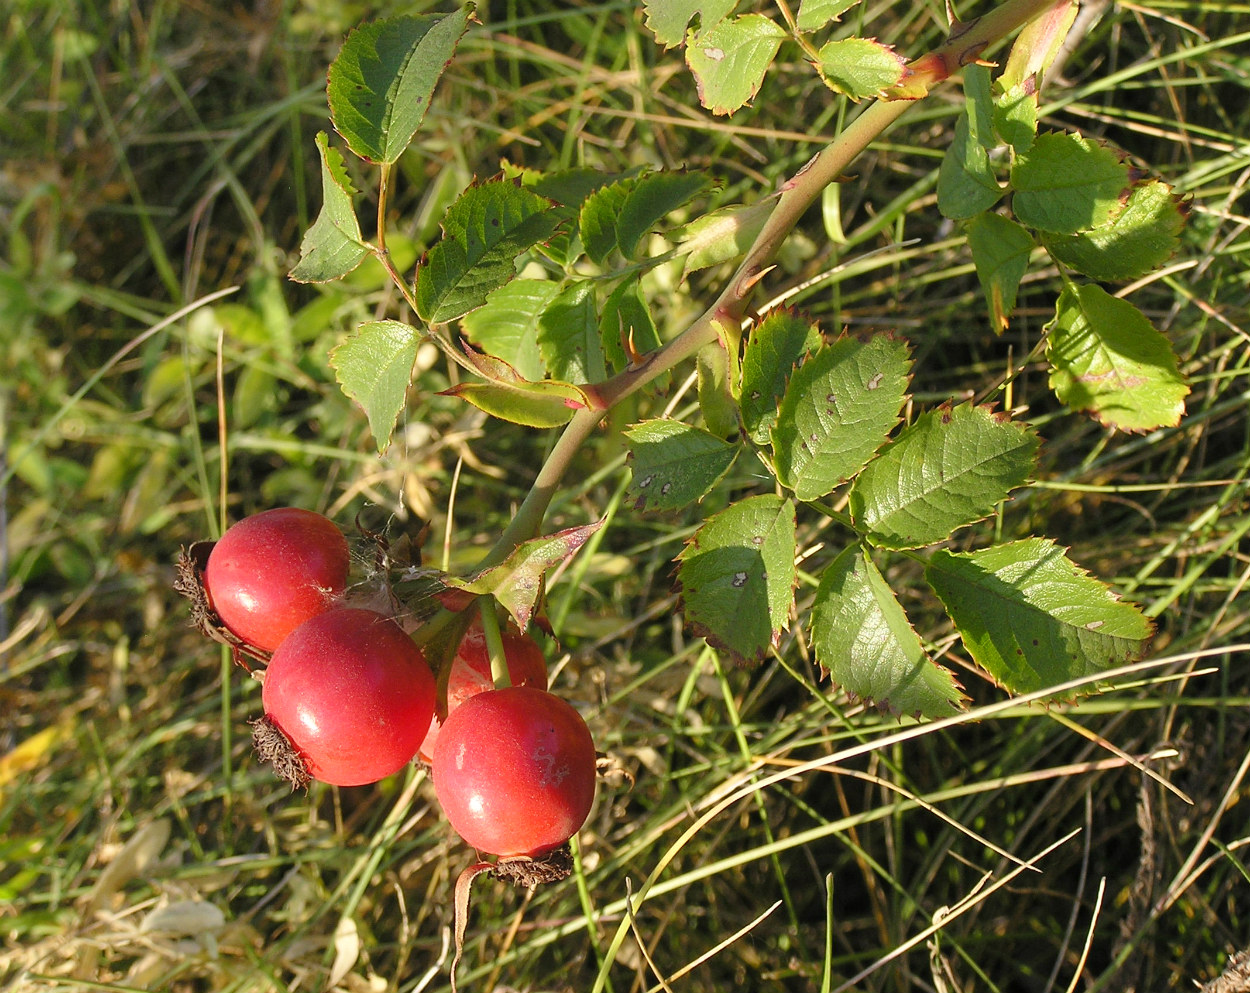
(518, 582)
(507, 395)
(1000, 251)
(1141, 236)
(860, 67)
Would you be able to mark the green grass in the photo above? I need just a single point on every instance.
(777, 835)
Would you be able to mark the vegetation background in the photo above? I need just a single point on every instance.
(152, 154)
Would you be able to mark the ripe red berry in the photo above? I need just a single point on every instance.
(274, 570)
(470, 674)
(514, 771)
(351, 693)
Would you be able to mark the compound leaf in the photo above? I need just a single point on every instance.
(382, 79)
(1107, 359)
(730, 59)
(861, 635)
(774, 347)
(946, 470)
(1031, 618)
(483, 233)
(333, 246)
(1065, 183)
(374, 367)
(674, 464)
(838, 409)
(737, 575)
(860, 67)
(1140, 237)
(1000, 251)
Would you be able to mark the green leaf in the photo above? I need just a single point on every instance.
(545, 404)
(596, 222)
(1015, 117)
(507, 395)
(333, 246)
(979, 105)
(484, 232)
(729, 61)
(568, 336)
(1031, 618)
(674, 465)
(652, 198)
(1064, 183)
(569, 188)
(948, 469)
(966, 182)
(1107, 359)
(815, 14)
(518, 582)
(626, 317)
(716, 399)
(1139, 238)
(1037, 45)
(838, 409)
(736, 576)
(507, 325)
(667, 19)
(775, 346)
(619, 215)
(374, 367)
(722, 235)
(1000, 250)
(381, 82)
(862, 637)
(860, 67)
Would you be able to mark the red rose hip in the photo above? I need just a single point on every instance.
(274, 570)
(470, 672)
(351, 694)
(514, 771)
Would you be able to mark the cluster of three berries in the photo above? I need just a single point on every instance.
(352, 695)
